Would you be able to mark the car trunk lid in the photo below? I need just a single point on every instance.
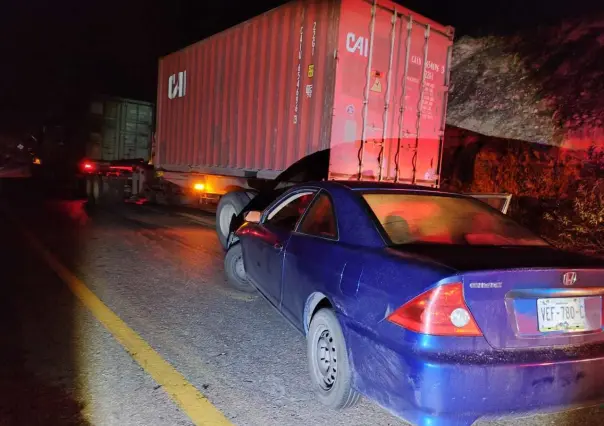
(542, 307)
(507, 288)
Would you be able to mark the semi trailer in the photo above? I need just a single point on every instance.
(311, 90)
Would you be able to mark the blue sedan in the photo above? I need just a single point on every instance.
(435, 305)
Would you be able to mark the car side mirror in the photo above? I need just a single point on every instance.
(253, 216)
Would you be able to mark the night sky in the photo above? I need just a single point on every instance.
(54, 52)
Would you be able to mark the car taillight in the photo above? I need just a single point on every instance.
(440, 311)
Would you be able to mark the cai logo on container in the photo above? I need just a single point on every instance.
(177, 85)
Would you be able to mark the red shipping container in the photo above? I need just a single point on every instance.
(367, 80)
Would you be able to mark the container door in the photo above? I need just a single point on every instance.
(135, 130)
(110, 143)
(391, 91)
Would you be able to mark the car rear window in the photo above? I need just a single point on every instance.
(437, 219)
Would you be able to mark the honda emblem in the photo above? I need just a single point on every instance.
(569, 278)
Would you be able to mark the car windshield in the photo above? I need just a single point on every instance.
(437, 219)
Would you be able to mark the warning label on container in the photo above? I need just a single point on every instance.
(311, 71)
(376, 86)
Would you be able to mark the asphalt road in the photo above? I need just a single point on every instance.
(15, 171)
(161, 274)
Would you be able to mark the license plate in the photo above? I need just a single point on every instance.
(562, 314)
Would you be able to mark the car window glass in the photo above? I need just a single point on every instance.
(408, 219)
(320, 219)
(287, 214)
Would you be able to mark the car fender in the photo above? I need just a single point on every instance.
(310, 306)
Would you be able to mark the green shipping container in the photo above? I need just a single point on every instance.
(120, 129)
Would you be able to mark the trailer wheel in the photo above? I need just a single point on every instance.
(89, 189)
(251, 194)
(97, 190)
(92, 190)
(230, 205)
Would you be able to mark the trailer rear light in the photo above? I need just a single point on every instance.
(88, 167)
(440, 311)
(37, 160)
(199, 187)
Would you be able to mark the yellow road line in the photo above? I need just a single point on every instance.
(185, 395)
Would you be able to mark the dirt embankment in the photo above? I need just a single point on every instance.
(526, 116)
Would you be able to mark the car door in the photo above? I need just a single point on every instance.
(312, 260)
(265, 250)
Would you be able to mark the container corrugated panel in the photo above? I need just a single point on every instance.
(120, 129)
(252, 98)
(391, 94)
(304, 77)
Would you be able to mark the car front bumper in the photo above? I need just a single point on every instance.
(427, 389)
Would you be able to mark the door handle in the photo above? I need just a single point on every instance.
(278, 246)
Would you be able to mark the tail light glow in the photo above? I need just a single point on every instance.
(199, 186)
(122, 168)
(440, 311)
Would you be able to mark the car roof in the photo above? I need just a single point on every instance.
(356, 185)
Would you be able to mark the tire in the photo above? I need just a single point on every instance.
(97, 189)
(92, 190)
(229, 205)
(251, 194)
(332, 381)
(235, 271)
(100, 191)
(88, 187)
